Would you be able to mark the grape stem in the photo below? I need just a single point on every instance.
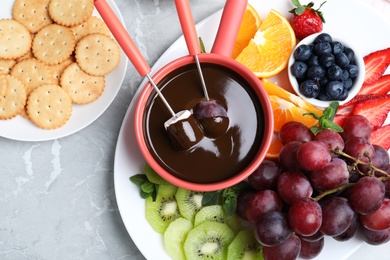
(339, 188)
(373, 169)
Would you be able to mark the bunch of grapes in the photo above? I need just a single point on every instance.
(328, 184)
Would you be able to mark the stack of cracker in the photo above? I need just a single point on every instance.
(53, 53)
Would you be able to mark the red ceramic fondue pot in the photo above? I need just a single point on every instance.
(218, 62)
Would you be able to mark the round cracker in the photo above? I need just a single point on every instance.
(15, 39)
(59, 68)
(33, 73)
(92, 25)
(81, 87)
(49, 106)
(97, 54)
(53, 44)
(34, 15)
(6, 66)
(3, 85)
(70, 12)
(14, 98)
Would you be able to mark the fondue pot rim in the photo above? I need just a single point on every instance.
(255, 84)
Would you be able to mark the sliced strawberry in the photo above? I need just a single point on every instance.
(381, 136)
(339, 119)
(347, 108)
(376, 64)
(375, 110)
(380, 86)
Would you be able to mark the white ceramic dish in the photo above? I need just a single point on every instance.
(128, 158)
(358, 59)
(21, 129)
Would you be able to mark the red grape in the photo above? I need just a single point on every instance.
(288, 250)
(309, 250)
(295, 131)
(305, 217)
(351, 231)
(262, 202)
(293, 186)
(288, 156)
(337, 216)
(317, 236)
(367, 195)
(242, 200)
(359, 148)
(380, 219)
(265, 176)
(272, 228)
(356, 126)
(334, 174)
(375, 237)
(331, 138)
(313, 155)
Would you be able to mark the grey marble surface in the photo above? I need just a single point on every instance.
(57, 198)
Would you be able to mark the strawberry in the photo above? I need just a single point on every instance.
(306, 20)
(381, 136)
(375, 110)
(347, 108)
(376, 64)
(380, 86)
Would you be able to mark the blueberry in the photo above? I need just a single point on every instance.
(334, 89)
(309, 88)
(343, 95)
(313, 60)
(353, 71)
(302, 52)
(316, 72)
(342, 60)
(337, 47)
(350, 54)
(323, 37)
(323, 82)
(299, 69)
(347, 83)
(334, 72)
(322, 95)
(322, 48)
(345, 75)
(326, 60)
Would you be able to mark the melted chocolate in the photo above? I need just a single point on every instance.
(212, 159)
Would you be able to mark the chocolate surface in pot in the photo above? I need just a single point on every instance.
(212, 159)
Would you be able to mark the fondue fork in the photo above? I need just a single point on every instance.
(183, 129)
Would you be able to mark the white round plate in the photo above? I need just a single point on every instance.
(368, 33)
(22, 129)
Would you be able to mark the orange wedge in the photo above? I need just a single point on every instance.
(274, 148)
(248, 28)
(268, 51)
(273, 89)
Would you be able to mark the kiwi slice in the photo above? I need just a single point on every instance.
(161, 212)
(209, 240)
(153, 177)
(217, 213)
(244, 246)
(189, 202)
(174, 237)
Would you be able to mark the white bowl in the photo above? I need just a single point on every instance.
(357, 82)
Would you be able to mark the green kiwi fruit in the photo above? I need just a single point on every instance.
(161, 212)
(189, 202)
(153, 177)
(217, 213)
(244, 246)
(209, 240)
(174, 237)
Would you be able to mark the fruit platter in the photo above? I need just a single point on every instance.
(320, 163)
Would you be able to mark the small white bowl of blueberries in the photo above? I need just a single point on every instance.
(325, 67)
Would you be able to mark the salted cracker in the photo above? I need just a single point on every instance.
(33, 14)
(6, 65)
(92, 25)
(81, 87)
(49, 106)
(70, 12)
(53, 44)
(15, 39)
(97, 54)
(14, 98)
(3, 85)
(59, 68)
(33, 73)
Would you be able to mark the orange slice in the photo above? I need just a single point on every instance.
(248, 28)
(274, 148)
(268, 51)
(286, 111)
(273, 89)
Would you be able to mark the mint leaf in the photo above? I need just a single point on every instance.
(138, 179)
(229, 201)
(211, 198)
(326, 120)
(147, 188)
